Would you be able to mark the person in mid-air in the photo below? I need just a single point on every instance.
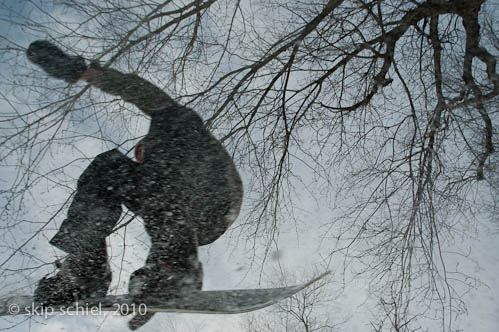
(183, 184)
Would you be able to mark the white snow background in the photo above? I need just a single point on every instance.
(298, 253)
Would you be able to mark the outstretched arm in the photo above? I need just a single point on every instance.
(132, 88)
(145, 95)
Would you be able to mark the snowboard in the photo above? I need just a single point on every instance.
(202, 302)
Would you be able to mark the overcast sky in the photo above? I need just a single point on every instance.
(231, 262)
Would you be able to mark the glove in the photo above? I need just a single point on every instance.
(55, 62)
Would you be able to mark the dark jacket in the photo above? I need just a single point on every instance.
(184, 162)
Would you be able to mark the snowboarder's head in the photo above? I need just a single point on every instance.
(139, 151)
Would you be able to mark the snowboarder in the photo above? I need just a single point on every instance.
(184, 185)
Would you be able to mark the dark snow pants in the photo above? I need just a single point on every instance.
(113, 179)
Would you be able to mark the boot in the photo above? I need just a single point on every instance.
(158, 282)
(79, 278)
(154, 284)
